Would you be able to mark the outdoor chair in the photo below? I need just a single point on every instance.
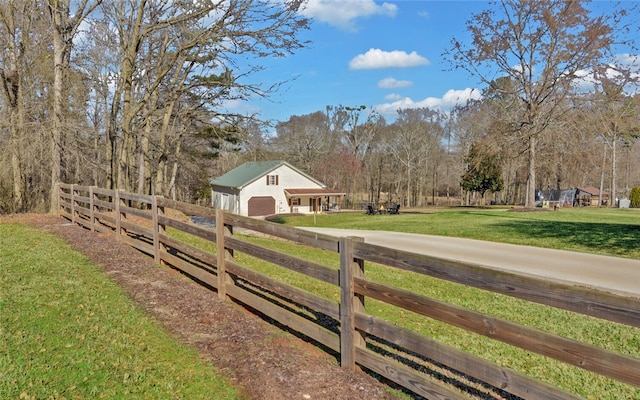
(395, 209)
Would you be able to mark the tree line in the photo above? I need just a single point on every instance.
(128, 94)
(131, 94)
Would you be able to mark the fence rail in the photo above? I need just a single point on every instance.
(352, 332)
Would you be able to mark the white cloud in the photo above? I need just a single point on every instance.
(341, 13)
(631, 61)
(376, 58)
(450, 99)
(392, 96)
(393, 83)
(585, 80)
(240, 107)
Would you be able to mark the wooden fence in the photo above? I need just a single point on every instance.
(354, 334)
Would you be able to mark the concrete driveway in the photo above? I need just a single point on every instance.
(618, 275)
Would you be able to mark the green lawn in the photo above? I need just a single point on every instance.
(612, 336)
(67, 331)
(614, 232)
(603, 231)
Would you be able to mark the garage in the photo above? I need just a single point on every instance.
(261, 205)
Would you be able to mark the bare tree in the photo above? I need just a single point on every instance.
(305, 139)
(413, 145)
(15, 30)
(357, 136)
(64, 26)
(615, 113)
(180, 62)
(542, 46)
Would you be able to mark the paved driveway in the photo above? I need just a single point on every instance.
(613, 274)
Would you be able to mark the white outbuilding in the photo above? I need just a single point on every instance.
(271, 187)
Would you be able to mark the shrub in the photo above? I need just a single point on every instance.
(635, 197)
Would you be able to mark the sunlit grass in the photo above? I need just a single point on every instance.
(614, 232)
(611, 336)
(521, 228)
(68, 331)
(603, 231)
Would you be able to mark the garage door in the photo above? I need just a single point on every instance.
(262, 205)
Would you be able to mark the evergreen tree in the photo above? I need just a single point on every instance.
(483, 171)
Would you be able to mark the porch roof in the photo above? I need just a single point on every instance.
(313, 192)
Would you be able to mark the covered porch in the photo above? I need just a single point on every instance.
(309, 201)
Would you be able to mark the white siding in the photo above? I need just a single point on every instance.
(288, 178)
(224, 199)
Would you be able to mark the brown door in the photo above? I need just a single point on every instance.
(261, 205)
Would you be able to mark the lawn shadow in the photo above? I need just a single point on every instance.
(618, 239)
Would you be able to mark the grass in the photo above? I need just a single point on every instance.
(602, 231)
(68, 331)
(611, 336)
(104, 349)
(613, 232)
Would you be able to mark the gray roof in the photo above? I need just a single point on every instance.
(248, 172)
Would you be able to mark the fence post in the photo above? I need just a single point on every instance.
(92, 205)
(350, 302)
(117, 202)
(158, 228)
(56, 206)
(73, 204)
(223, 254)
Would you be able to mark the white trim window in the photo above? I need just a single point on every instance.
(272, 180)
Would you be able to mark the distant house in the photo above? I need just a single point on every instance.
(589, 195)
(271, 187)
(577, 196)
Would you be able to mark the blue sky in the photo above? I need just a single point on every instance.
(379, 54)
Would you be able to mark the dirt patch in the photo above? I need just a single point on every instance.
(263, 361)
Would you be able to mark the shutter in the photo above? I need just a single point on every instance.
(277, 176)
(267, 180)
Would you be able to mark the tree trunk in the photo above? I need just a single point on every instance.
(161, 169)
(160, 172)
(130, 48)
(56, 128)
(63, 29)
(531, 189)
(174, 171)
(434, 186)
(112, 165)
(143, 157)
(627, 187)
(604, 162)
(96, 154)
(16, 132)
(409, 186)
(612, 193)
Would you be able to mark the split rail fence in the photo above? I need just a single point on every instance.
(352, 333)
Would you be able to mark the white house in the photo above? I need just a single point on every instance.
(270, 187)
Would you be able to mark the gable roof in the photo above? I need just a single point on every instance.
(249, 172)
(593, 191)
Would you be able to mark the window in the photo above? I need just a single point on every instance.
(295, 202)
(272, 179)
